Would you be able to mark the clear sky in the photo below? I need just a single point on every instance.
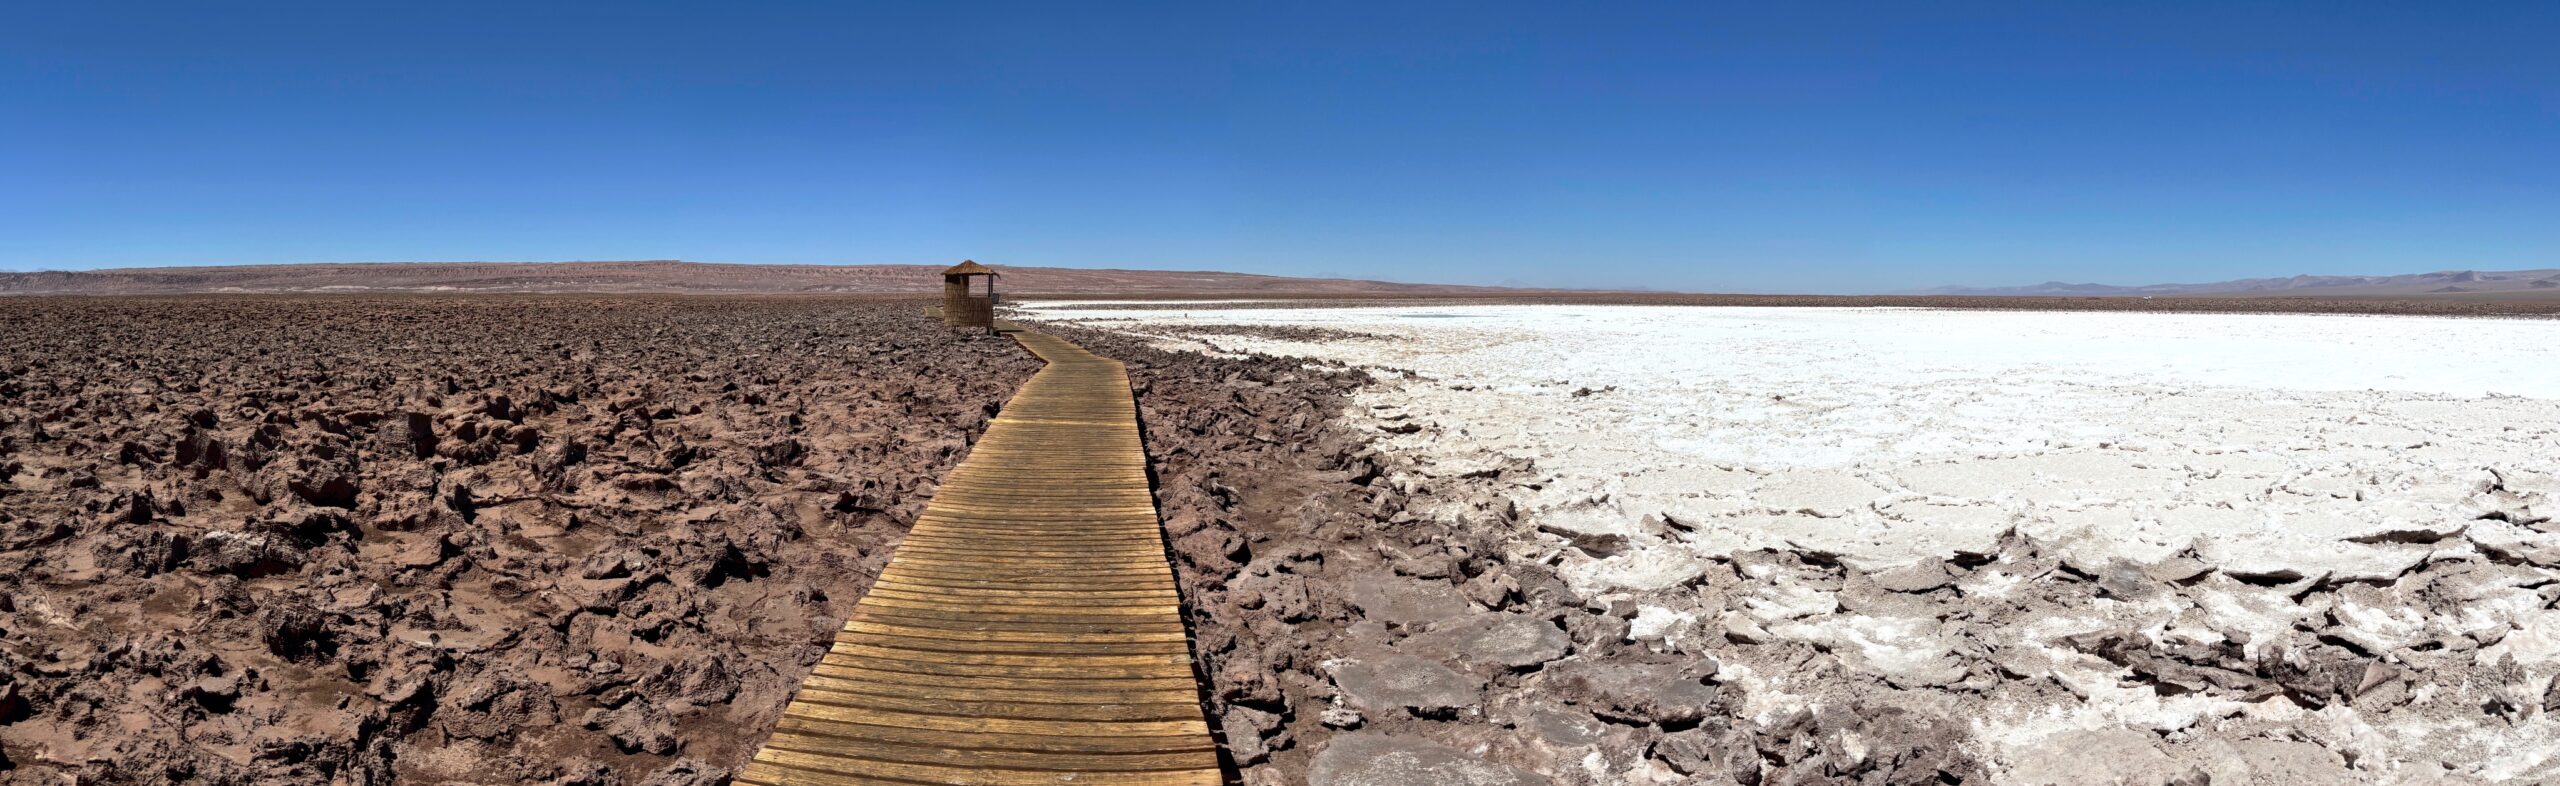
(1744, 147)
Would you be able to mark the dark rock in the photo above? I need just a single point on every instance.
(296, 630)
(1248, 731)
(407, 433)
(1635, 693)
(328, 489)
(243, 554)
(1370, 759)
(1511, 641)
(1564, 726)
(1928, 574)
(494, 704)
(784, 452)
(1600, 545)
(688, 772)
(635, 727)
(1388, 682)
(1405, 602)
(1282, 596)
(1492, 590)
(1895, 746)
(1435, 565)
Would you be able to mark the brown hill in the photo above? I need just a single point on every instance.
(673, 276)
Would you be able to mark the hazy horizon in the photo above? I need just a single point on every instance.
(1960, 284)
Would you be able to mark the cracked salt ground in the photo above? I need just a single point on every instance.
(2255, 549)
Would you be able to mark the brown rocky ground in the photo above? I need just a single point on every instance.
(664, 277)
(497, 540)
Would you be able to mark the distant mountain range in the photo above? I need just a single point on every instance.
(675, 277)
(667, 276)
(2449, 282)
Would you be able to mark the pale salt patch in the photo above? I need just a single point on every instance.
(1763, 700)
(1909, 650)
(1661, 626)
(1790, 601)
(2264, 440)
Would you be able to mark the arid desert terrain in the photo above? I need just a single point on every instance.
(581, 540)
(598, 539)
(1639, 544)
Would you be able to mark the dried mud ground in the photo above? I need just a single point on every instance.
(575, 540)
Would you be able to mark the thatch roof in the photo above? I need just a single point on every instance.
(969, 268)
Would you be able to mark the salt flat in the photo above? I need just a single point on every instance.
(1891, 435)
(2288, 475)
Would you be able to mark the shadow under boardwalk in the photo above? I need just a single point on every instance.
(1027, 631)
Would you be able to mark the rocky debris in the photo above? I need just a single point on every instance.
(1399, 602)
(635, 727)
(1390, 760)
(1564, 727)
(346, 540)
(688, 772)
(1358, 613)
(2129, 756)
(1709, 754)
(1638, 693)
(1927, 575)
(1378, 627)
(2266, 760)
(495, 703)
(2314, 676)
(1252, 734)
(1389, 682)
(1867, 745)
(1509, 641)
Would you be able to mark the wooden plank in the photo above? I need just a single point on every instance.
(949, 536)
(1062, 620)
(904, 662)
(958, 593)
(1027, 630)
(1132, 610)
(1026, 584)
(797, 766)
(1182, 682)
(888, 698)
(806, 735)
(1079, 697)
(1058, 553)
(1121, 743)
(937, 645)
(1176, 733)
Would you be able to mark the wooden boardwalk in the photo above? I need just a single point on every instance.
(1027, 630)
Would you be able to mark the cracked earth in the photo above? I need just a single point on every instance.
(2074, 547)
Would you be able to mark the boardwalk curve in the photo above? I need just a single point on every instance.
(1027, 631)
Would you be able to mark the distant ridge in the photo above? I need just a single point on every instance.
(669, 276)
(2447, 282)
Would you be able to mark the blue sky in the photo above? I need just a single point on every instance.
(1761, 147)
